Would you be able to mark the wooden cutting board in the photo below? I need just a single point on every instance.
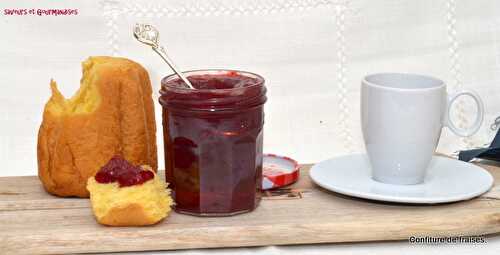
(31, 221)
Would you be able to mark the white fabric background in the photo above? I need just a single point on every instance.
(313, 54)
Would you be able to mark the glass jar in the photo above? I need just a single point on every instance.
(213, 141)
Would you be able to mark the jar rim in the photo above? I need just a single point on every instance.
(165, 80)
(175, 96)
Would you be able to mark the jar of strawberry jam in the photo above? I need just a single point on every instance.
(213, 141)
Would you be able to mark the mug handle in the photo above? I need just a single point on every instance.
(465, 132)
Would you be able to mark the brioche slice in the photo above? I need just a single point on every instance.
(121, 197)
(112, 113)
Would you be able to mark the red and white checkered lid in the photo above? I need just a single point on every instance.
(278, 171)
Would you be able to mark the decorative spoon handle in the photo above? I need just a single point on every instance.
(149, 35)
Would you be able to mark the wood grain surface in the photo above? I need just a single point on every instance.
(34, 222)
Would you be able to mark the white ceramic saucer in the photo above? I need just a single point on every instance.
(447, 180)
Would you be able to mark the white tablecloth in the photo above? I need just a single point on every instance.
(313, 54)
(386, 248)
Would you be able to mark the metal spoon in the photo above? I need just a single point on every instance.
(496, 124)
(149, 35)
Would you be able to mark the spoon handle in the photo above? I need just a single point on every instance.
(164, 56)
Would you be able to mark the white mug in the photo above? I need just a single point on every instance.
(402, 116)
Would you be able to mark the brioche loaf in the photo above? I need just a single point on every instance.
(111, 114)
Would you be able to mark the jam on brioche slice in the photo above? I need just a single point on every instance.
(126, 195)
(121, 171)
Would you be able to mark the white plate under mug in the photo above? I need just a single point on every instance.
(447, 180)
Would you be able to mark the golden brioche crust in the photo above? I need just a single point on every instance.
(111, 114)
(131, 215)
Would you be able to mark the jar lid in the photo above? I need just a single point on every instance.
(278, 171)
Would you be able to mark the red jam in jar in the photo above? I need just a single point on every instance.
(213, 141)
